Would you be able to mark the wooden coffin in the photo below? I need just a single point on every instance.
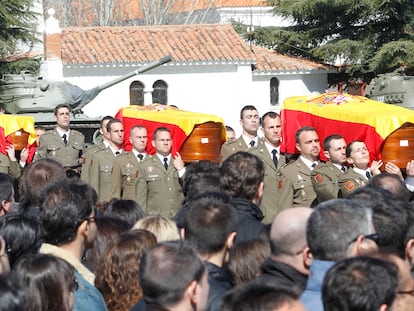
(398, 147)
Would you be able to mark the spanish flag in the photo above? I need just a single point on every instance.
(180, 123)
(353, 117)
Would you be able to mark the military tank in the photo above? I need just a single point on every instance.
(392, 88)
(26, 94)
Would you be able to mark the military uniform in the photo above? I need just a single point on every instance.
(125, 176)
(325, 181)
(9, 167)
(349, 181)
(87, 160)
(52, 146)
(232, 146)
(270, 199)
(295, 185)
(159, 190)
(100, 173)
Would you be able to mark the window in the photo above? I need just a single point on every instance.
(136, 93)
(159, 94)
(274, 91)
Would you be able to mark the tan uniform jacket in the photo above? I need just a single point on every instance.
(87, 160)
(100, 173)
(232, 146)
(270, 200)
(159, 191)
(325, 181)
(9, 167)
(125, 176)
(349, 181)
(52, 146)
(295, 185)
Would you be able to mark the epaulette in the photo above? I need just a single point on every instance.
(76, 132)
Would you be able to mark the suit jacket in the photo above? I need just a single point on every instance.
(9, 167)
(325, 181)
(87, 160)
(51, 145)
(125, 176)
(232, 146)
(349, 181)
(270, 200)
(159, 191)
(295, 185)
(100, 173)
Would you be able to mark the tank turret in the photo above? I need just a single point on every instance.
(392, 88)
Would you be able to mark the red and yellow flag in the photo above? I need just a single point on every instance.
(353, 117)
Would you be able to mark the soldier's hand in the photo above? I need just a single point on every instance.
(409, 169)
(393, 169)
(11, 152)
(178, 162)
(375, 167)
(24, 155)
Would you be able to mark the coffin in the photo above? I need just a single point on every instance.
(398, 147)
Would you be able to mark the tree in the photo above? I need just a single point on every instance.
(367, 36)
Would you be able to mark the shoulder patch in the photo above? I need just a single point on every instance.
(318, 178)
(349, 185)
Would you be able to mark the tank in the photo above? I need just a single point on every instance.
(25, 93)
(392, 88)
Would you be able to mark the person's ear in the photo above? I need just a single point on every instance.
(83, 228)
(153, 143)
(307, 258)
(298, 147)
(383, 307)
(230, 240)
(409, 252)
(350, 161)
(182, 233)
(326, 154)
(191, 292)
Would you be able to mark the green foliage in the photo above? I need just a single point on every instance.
(367, 35)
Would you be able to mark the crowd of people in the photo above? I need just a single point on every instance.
(101, 228)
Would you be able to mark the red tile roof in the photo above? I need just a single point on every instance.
(185, 43)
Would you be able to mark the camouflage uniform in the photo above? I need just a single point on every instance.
(325, 181)
(349, 181)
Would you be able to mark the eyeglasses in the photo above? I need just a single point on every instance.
(406, 292)
(373, 237)
(73, 287)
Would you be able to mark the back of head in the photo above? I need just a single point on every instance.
(241, 175)
(64, 206)
(333, 225)
(12, 293)
(360, 283)
(209, 222)
(166, 270)
(23, 235)
(126, 210)
(49, 280)
(38, 176)
(391, 182)
(163, 228)
(6, 187)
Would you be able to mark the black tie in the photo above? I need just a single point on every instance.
(314, 165)
(343, 168)
(65, 141)
(274, 152)
(368, 174)
(117, 153)
(166, 163)
(252, 144)
(140, 156)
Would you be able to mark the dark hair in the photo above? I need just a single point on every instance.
(392, 183)
(328, 139)
(209, 221)
(62, 106)
(109, 118)
(107, 228)
(160, 129)
(64, 206)
(359, 283)
(166, 270)
(49, 280)
(258, 297)
(301, 130)
(6, 187)
(12, 293)
(117, 275)
(126, 210)
(246, 108)
(229, 128)
(37, 176)
(112, 121)
(23, 235)
(348, 149)
(271, 115)
(241, 175)
(333, 225)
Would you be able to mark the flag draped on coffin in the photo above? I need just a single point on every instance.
(353, 117)
(180, 123)
(12, 124)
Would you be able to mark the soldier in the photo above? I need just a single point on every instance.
(294, 183)
(87, 156)
(103, 160)
(249, 120)
(357, 155)
(325, 175)
(8, 163)
(269, 151)
(125, 170)
(159, 178)
(62, 144)
(230, 133)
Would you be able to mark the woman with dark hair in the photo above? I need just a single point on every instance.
(50, 282)
(23, 235)
(117, 276)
